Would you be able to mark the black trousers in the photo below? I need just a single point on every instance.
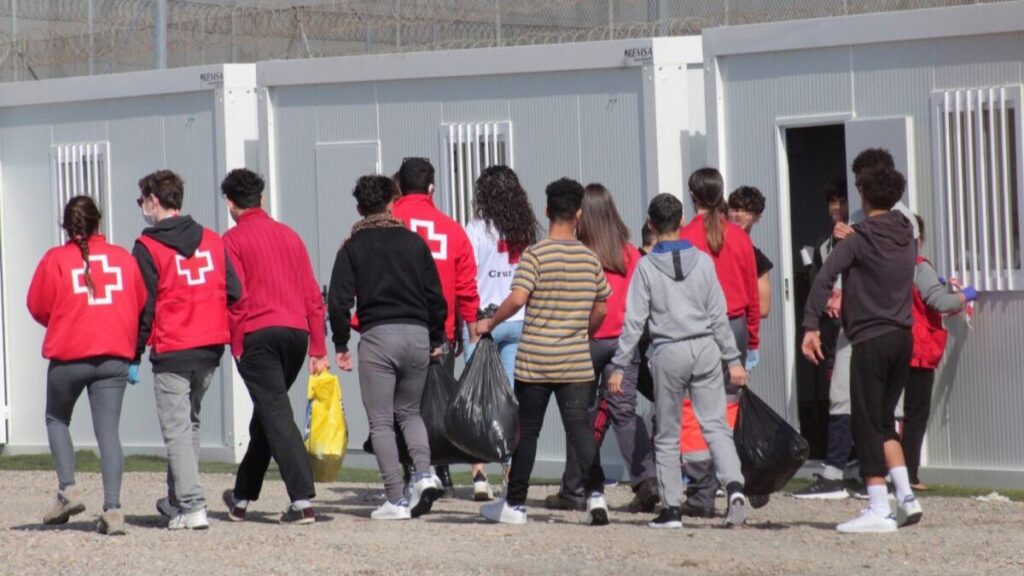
(573, 404)
(271, 362)
(917, 407)
(879, 370)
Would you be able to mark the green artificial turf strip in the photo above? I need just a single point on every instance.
(933, 490)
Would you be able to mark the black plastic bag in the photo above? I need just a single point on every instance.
(770, 450)
(645, 381)
(483, 418)
(437, 394)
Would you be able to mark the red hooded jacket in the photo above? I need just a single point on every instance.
(930, 335)
(81, 325)
(737, 273)
(611, 327)
(452, 251)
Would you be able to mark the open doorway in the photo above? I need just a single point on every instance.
(816, 157)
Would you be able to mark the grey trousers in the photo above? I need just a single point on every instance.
(393, 361)
(619, 412)
(694, 367)
(839, 387)
(700, 466)
(105, 379)
(179, 397)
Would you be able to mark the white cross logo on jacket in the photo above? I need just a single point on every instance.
(199, 264)
(106, 280)
(438, 243)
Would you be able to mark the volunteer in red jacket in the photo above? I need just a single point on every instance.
(602, 230)
(88, 294)
(450, 247)
(932, 300)
(279, 318)
(189, 284)
(733, 254)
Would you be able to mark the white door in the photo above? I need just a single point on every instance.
(895, 134)
(4, 405)
(338, 166)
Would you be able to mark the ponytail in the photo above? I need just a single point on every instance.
(81, 221)
(707, 190)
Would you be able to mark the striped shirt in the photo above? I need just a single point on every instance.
(563, 280)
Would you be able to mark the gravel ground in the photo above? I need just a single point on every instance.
(957, 536)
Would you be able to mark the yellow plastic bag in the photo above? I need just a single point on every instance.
(326, 431)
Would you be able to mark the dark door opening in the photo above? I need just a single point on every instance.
(816, 157)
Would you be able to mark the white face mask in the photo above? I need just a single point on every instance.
(148, 217)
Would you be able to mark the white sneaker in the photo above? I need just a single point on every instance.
(597, 510)
(389, 511)
(424, 493)
(868, 522)
(482, 491)
(499, 511)
(195, 520)
(908, 512)
(736, 513)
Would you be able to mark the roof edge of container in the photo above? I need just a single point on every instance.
(475, 62)
(127, 84)
(874, 28)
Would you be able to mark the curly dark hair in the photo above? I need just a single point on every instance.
(499, 199)
(872, 157)
(881, 186)
(243, 187)
(372, 194)
(747, 198)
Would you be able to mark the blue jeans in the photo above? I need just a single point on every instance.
(506, 336)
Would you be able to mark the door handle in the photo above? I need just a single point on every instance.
(786, 285)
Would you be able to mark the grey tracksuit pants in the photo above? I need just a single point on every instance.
(179, 397)
(393, 361)
(694, 367)
(700, 466)
(105, 379)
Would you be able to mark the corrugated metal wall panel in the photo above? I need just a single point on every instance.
(355, 120)
(481, 99)
(296, 128)
(977, 396)
(410, 113)
(138, 130)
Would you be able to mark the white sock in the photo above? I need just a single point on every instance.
(901, 480)
(878, 497)
(831, 473)
(243, 504)
(301, 504)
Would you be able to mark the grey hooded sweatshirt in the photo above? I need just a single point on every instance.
(675, 292)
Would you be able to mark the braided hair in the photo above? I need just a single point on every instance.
(82, 220)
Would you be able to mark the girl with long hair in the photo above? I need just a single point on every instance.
(732, 252)
(504, 225)
(602, 231)
(88, 294)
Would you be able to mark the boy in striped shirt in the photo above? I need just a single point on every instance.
(563, 287)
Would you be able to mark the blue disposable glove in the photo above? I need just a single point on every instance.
(752, 359)
(133, 373)
(970, 293)
(942, 280)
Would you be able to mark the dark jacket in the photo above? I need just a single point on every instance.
(877, 265)
(184, 235)
(393, 273)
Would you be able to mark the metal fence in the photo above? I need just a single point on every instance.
(55, 38)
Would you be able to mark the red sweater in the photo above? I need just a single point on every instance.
(619, 283)
(452, 252)
(278, 285)
(80, 325)
(737, 272)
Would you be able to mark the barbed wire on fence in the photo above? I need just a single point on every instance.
(120, 35)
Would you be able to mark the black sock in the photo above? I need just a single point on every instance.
(734, 488)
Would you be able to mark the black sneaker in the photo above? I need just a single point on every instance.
(235, 514)
(691, 511)
(445, 475)
(823, 489)
(559, 501)
(670, 517)
(646, 498)
(759, 501)
(298, 517)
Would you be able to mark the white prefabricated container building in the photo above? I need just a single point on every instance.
(627, 113)
(790, 104)
(98, 136)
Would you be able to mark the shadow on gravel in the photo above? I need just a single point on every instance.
(80, 526)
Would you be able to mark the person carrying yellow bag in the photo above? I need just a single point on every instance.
(326, 430)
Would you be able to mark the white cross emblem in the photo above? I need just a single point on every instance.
(200, 264)
(102, 283)
(441, 240)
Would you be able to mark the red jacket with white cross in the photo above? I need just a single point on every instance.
(80, 324)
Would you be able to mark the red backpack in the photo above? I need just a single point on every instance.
(929, 334)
